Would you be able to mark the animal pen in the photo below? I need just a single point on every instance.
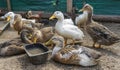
(13, 41)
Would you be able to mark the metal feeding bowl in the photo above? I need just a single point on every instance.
(37, 53)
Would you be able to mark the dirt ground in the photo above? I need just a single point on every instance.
(110, 59)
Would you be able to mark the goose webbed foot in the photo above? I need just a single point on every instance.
(65, 42)
(73, 43)
(84, 27)
(96, 45)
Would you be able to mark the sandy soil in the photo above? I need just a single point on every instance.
(110, 59)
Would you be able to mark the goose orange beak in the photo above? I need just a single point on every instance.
(49, 42)
(8, 19)
(52, 17)
(81, 10)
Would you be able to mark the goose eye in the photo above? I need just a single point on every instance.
(57, 12)
(86, 6)
(54, 39)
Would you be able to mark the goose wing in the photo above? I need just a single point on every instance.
(103, 33)
(73, 31)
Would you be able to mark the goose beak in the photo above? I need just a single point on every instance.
(49, 42)
(52, 17)
(8, 19)
(81, 10)
(34, 40)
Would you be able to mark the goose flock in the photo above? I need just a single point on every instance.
(64, 29)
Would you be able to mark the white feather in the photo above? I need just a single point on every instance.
(68, 21)
(67, 30)
(55, 50)
(81, 19)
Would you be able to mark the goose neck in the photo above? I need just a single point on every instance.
(90, 13)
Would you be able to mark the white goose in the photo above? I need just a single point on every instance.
(68, 20)
(68, 31)
(10, 18)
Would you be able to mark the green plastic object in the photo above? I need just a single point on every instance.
(102, 7)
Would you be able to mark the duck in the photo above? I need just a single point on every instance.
(65, 29)
(68, 19)
(30, 15)
(9, 16)
(42, 35)
(100, 34)
(12, 47)
(35, 35)
(18, 24)
(81, 19)
(73, 54)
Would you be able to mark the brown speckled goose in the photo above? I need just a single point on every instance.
(19, 24)
(100, 34)
(76, 55)
(42, 35)
(33, 35)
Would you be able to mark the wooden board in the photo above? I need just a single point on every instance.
(3, 26)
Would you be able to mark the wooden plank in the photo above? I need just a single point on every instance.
(107, 18)
(8, 5)
(3, 26)
(69, 6)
